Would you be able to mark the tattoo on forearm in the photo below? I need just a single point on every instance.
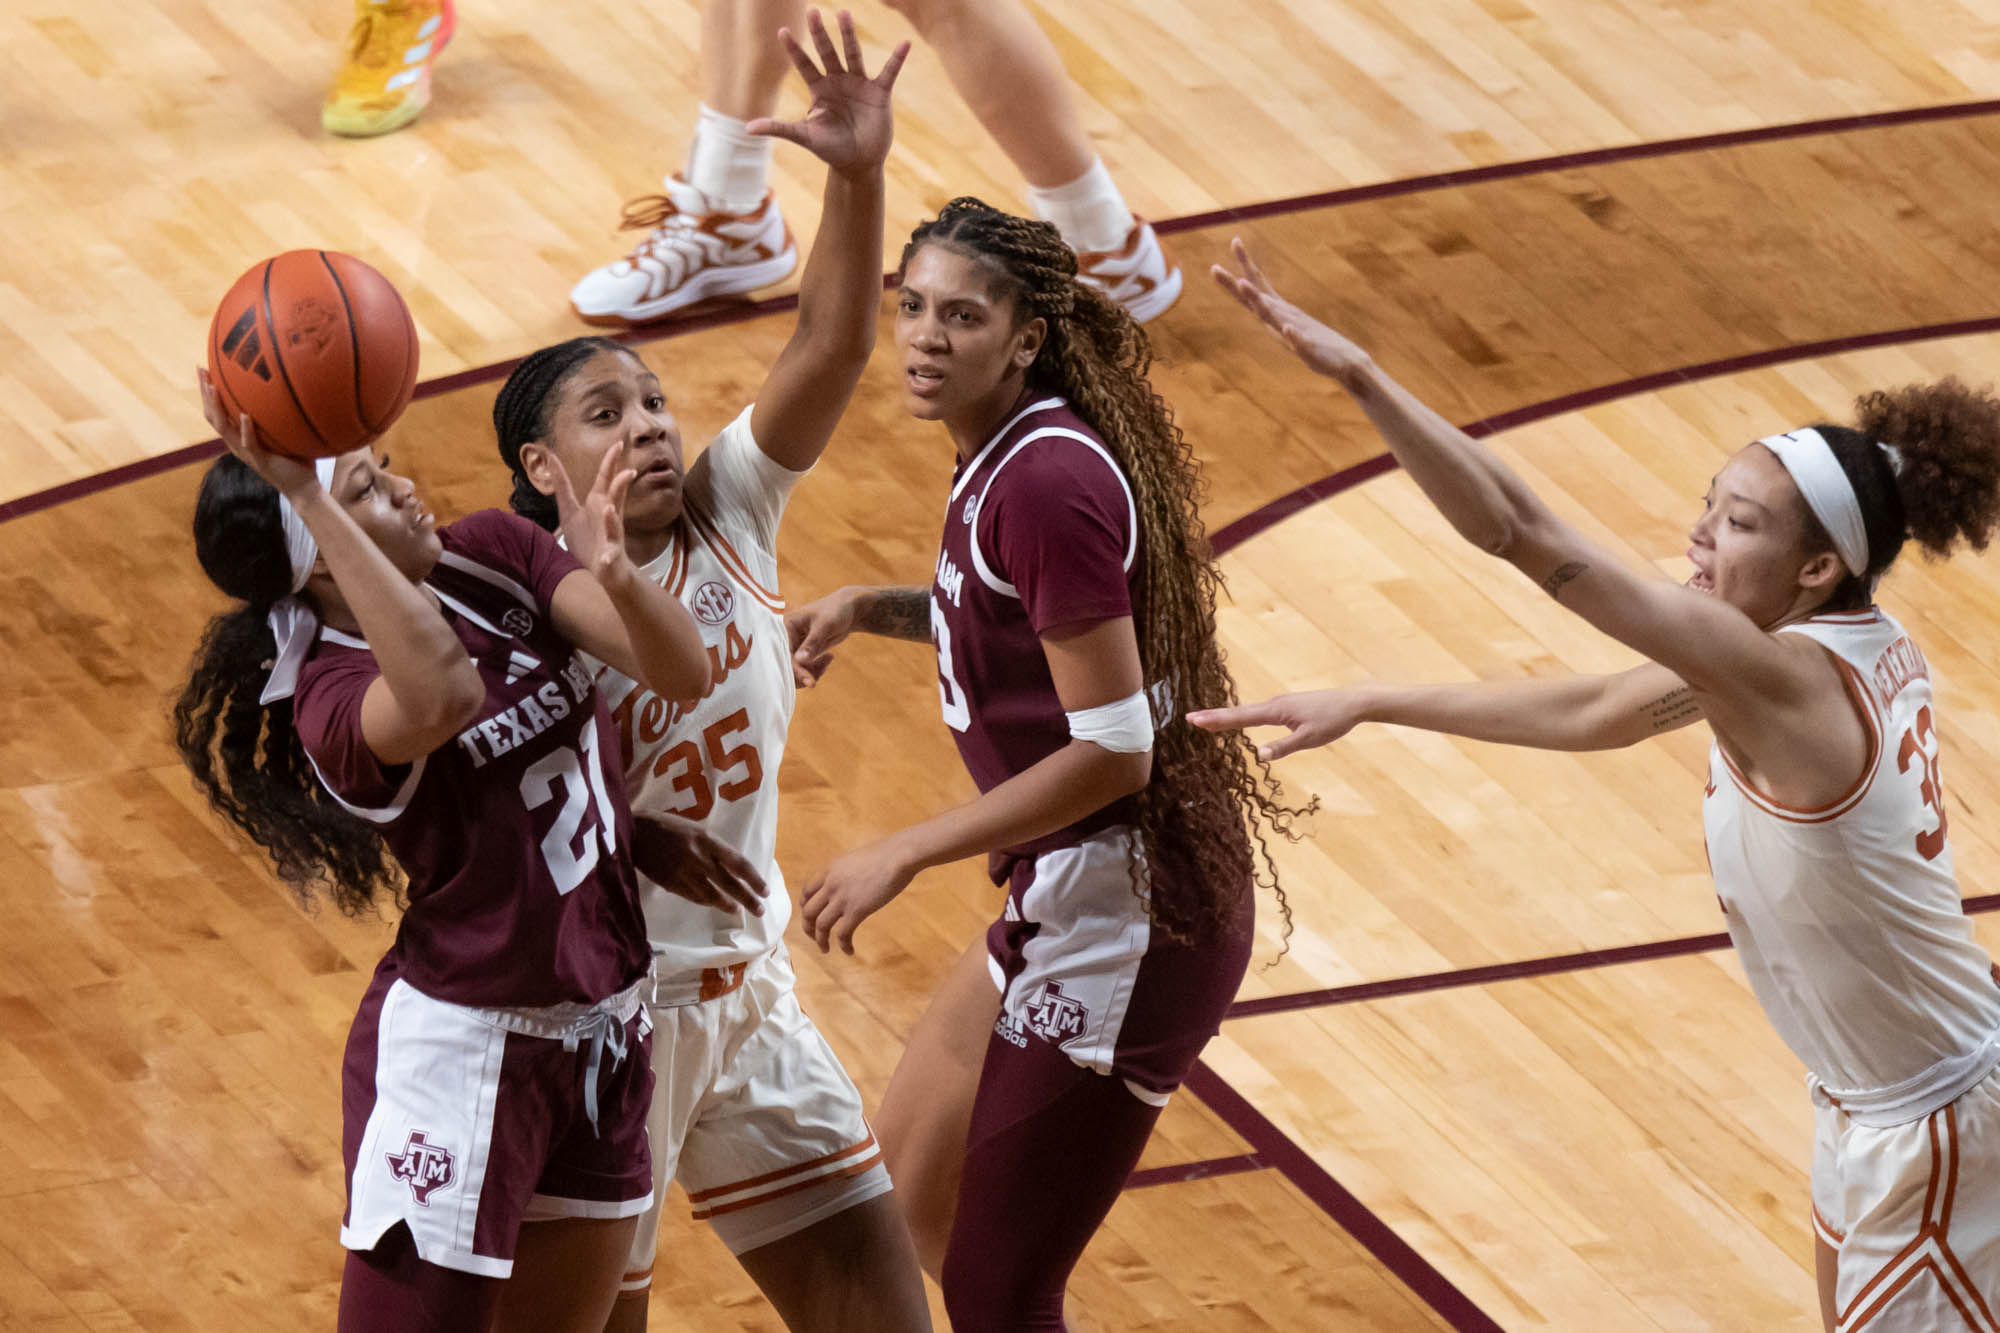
(897, 613)
(1672, 709)
(1552, 585)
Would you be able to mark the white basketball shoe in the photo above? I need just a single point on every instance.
(692, 251)
(1136, 275)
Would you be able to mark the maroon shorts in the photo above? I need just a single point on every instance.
(1081, 967)
(464, 1123)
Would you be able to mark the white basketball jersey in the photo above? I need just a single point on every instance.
(715, 759)
(1848, 918)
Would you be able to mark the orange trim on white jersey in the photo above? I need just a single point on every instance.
(711, 537)
(1857, 689)
(1825, 1230)
(1929, 1251)
(849, 1161)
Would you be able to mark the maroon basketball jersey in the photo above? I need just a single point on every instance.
(1040, 533)
(515, 834)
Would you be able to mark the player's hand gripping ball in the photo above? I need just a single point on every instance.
(318, 348)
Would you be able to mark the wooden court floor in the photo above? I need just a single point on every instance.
(1501, 1077)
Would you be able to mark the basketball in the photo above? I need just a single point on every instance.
(318, 348)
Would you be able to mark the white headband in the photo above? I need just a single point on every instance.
(291, 619)
(1829, 494)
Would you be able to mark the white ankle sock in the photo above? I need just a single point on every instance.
(1089, 211)
(729, 166)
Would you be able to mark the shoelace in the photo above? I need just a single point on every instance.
(648, 212)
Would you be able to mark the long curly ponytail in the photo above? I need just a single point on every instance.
(1211, 796)
(245, 756)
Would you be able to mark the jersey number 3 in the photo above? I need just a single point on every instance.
(956, 715)
(1920, 743)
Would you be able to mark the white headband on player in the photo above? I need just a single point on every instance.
(291, 619)
(1829, 494)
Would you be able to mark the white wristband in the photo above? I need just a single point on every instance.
(1124, 726)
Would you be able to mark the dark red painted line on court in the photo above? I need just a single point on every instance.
(1394, 1253)
(1527, 967)
(1449, 180)
(739, 312)
(1182, 1172)
(1235, 533)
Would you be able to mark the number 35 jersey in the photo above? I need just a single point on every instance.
(515, 834)
(714, 760)
(1848, 918)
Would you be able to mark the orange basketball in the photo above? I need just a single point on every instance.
(319, 349)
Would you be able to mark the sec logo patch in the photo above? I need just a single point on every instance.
(712, 603)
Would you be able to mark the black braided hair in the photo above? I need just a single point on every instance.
(1211, 797)
(245, 755)
(522, 412)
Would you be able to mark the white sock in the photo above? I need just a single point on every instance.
(729, 166)
(1089, 211)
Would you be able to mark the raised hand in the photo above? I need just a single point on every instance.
(1321, 348)
(292, 478)
(594, 527)
(849, 124)
(1318, 717)
(682, 858)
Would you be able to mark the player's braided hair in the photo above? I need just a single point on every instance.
(1211, 796)
(1947, 491)
(244, 755)
(521, 413)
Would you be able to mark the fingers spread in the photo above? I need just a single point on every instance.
(892, 66)
(850, 42)
(800, 60)
(829, 59)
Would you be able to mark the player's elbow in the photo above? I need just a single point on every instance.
(1123, 772)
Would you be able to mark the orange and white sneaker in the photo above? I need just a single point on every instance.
(692, 251)
(1136, 275)
(386, 80)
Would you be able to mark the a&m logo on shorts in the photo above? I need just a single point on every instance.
(423, 1166)
(518, 622)
(712, 603)
(1054, 1017)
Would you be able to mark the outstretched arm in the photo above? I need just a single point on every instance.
(817, 628)
(849, 128)
(1554, 713)
(1090, 665)
(1754, 688)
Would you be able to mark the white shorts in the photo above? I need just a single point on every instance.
(1914, 1212)
(754, 1116)
(462, 1124)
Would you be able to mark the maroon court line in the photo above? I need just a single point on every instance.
(1235, 533)
(1527, 967)
(747, 310)
(1276, 1149)
(1182, 1172)
(1446, 180)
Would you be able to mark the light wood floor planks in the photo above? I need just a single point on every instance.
(150, 152)
(1622, 1148)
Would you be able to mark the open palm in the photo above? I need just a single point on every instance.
(849, 124)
